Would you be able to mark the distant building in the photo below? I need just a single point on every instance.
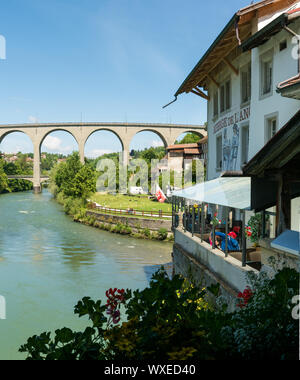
(12, 158)
(178, 155)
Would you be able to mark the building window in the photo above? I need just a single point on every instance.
(216, 103)
(266, 69)
(222, 99)
(283, 45)
(246, 84)
(245, 145)
(271, 128)
(225, 96)
(228, 95)
(219, 145)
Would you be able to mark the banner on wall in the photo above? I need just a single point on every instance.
(230, 126)
(235, 118)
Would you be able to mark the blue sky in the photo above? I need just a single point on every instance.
(103, 60)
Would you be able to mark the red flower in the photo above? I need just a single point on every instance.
(115, 297)
(244, 297)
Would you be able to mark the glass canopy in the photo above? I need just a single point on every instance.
(234, 192)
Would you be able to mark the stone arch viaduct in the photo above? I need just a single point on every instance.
(82, 131)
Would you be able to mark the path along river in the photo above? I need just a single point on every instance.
(48, 263)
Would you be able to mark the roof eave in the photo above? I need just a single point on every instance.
(231, 23)
(267, 32)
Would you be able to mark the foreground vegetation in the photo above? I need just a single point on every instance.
(173, 319)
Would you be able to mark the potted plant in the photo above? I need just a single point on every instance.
(254, 228)
(216, 222)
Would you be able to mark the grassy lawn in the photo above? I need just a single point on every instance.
(141, 203)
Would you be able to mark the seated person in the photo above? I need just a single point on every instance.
(233, 244)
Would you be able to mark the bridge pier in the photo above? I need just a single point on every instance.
(81, 144)
(37, 189)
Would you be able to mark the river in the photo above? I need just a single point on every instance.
(48, 263)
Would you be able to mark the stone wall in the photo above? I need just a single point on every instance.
(196, 259)
(134, 223)
(282, 259)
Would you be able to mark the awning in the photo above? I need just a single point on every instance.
(233, 192)
(288, 241)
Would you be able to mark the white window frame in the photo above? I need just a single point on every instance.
(246, 83)
(226, 102)
(266, 58)
(269, 125)
(244, 152)
(219, 152)
(216, 104)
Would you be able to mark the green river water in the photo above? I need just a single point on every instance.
(48, 263)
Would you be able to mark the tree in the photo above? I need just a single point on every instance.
(189, 138)
(3, 179)
(66, 173)
(84, 182)
(73, 179)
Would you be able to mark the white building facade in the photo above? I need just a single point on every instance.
(244, 110)
(239, 76)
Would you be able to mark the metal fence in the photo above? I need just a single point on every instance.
(131, 212)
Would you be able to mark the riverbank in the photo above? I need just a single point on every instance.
(138, 228)
(153, 229)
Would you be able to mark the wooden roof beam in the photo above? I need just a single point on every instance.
(200, 93)
(213, 80)
(230, 65)
(203, 73)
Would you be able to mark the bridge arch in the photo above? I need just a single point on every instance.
(107, 129)
(6, 133)
(201, 134)
(157, 133)
(59, 129)
(101, 141)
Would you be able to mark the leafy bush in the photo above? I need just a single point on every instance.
(162, 234)
(171, 320)
(264, 327)
(146, 232)
(255, 224)
(74, 207)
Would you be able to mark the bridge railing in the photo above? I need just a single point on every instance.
(25, 176)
